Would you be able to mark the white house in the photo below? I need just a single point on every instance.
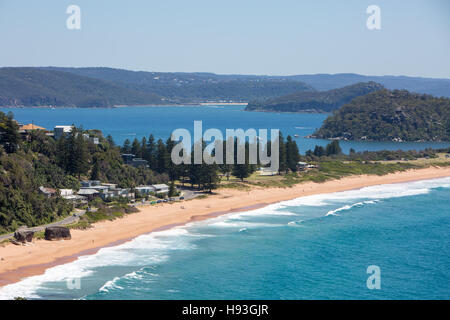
(60, 130)
(161, 188)
(144, 190)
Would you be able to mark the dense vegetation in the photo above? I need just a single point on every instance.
(390, 116)
(318, 101)
(39, 160)
(38, 87)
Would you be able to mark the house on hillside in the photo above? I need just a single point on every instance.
(116, 193)
(30, 127)
(90, 183)
(48, 192)
(60, 130)
(131, 160)
(88, 193)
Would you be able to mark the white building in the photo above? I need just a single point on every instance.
(161, 188)
(144, 190)
(60, 130)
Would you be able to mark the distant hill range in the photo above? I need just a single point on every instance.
(390, 116)
(179, 87)
(105, 87)
(316, 101)
(37, 87)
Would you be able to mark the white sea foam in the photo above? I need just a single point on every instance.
(295, 223)
(110, 285)
(349, 206)
(155, 248)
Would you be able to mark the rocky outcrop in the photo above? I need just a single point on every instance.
(23, 235)
(57, 233)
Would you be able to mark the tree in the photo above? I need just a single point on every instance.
(136, 148)
(333, 148)
(282, 155)
(110, 140)
(95, 172)
(172, 189)
(242, 170)
(9, 133)
(319, 151)
(126, 146)
(162, 158)
(292, 154)
(150, 153)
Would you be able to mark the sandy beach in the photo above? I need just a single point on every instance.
(18, 262)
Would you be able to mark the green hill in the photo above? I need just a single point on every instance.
(194, 87)
(38, 87)
(390, 116)
(318, 101)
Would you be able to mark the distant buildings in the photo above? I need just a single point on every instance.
(302, 166)
(58, 131)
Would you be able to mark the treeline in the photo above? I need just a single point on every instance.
(333, 151)
(206, 176)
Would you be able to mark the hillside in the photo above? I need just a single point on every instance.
(318, 101)
(195, 87)
(190, 85)
(390, 116)
(323, 82)
(37, 87)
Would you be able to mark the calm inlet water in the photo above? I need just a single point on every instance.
(316, 247)
(136, 122)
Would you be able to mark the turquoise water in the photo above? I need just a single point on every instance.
(315, 247)
(136, 122)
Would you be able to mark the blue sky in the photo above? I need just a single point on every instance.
(277, 37)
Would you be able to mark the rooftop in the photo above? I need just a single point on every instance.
(31, 126)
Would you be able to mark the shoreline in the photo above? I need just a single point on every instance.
(19, 262)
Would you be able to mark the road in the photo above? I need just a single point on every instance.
(74, 217)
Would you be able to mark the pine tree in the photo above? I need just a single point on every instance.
(161, 157)
(333, 148)
(319, 151)
(172, 189)
(95, 172)
(292, 154)
(126, 146)
(110, 140)
(242, 170)
(282, 155)
(150, 154)
(9, 134)
(136, 148)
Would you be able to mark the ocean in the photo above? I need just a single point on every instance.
(137, 122)
(314, 247)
